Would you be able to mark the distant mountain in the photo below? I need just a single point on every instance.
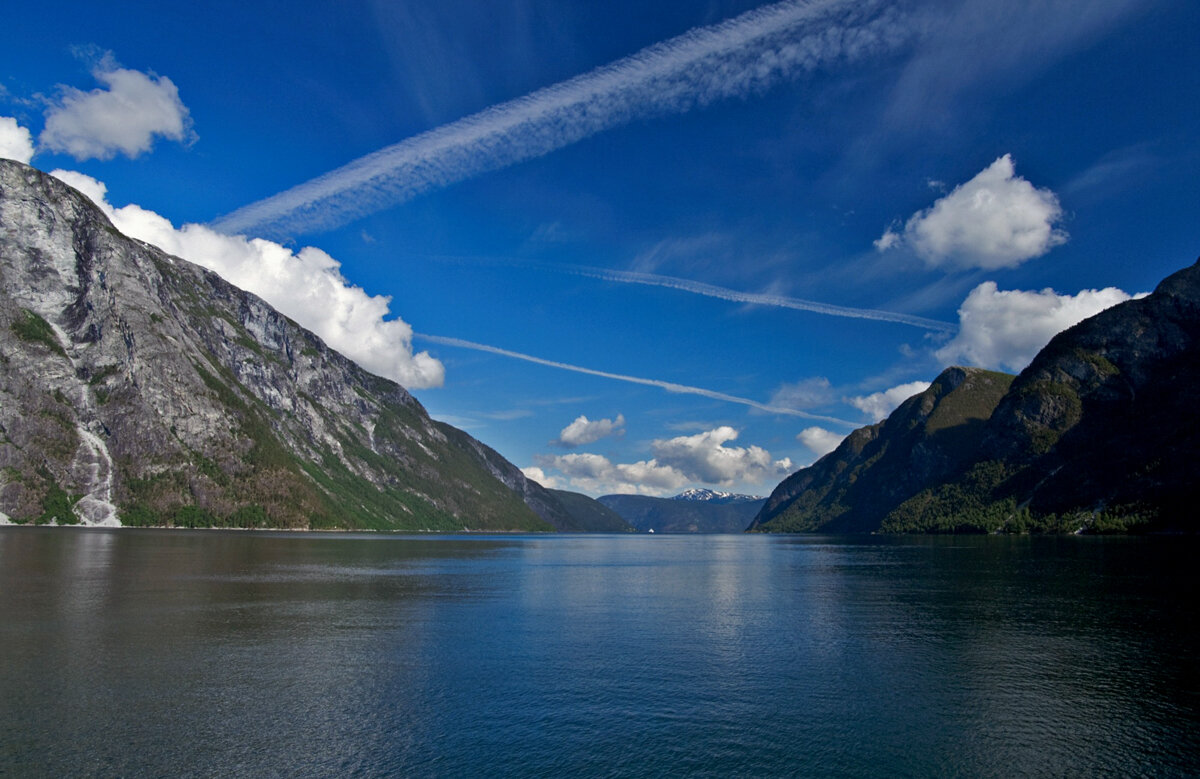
(723, 514)
(138, 388)
(1101, 433)
(713, 496)
(589, 515)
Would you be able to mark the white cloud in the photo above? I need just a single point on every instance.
(742, 56)
(878, 405)
(124, 117)
(704, 457)
(806, 393)
(15, 141)
(995, 220)
(305, 285)
(1002, 329)
(537, 474)
(677, 462)
(584, 431)
(596, 474)
(669, 386)
(819, 440)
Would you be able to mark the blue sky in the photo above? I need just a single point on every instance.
(630, 248)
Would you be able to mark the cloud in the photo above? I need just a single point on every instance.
(735, 296)
(305, 285)
(1003, 329)
(995, 220)
(878, 405)
(584, 431)
(704, 457)
(819, 440)
(807, 393)
(742, 56)
(15, 141)
(681, 389)
(124, 117)
(596, 474)
(537, 474)
(677, 462)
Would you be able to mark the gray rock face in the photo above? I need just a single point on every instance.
(138, 388)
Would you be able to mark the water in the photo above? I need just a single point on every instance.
(154, 653)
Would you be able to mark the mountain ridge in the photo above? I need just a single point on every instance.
(1100, 433)
(140, 388)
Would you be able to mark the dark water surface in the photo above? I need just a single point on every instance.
(158, 653)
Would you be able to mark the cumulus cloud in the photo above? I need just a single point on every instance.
(541, 477)
(125, 116)
(995, 220)
(305, 285)
(15, 141)
(585, 431)
(1004, 329)
(878, 405)
(819, 440)
(597, 474)
(677, 462)
(704, 457)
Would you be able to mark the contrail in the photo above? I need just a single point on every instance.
(736, 296)
(741, 56)
(681, 389)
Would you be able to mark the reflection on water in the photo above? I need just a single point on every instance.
(216, 654)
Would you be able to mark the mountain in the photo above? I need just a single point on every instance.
(1101, 433)
(139, 388)
(928, 438)
(589, 515)
(683, 514)
(714, 496)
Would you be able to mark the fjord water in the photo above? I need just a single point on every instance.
(159, 653)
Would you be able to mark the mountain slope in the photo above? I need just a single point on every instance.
(138, 387)
(589, 515)
(675, 515)
(1100, 432)
(926, 439)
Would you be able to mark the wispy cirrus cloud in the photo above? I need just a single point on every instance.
(681, 389)
(741, 56)
(753, 298)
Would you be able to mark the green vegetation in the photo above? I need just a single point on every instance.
(32, 328)
(57, 506)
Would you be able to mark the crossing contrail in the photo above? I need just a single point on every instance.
(681, 389)
(742, 56)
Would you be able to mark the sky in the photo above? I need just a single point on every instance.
(639, 249)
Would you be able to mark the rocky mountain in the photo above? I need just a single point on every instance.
(1100, 433)
(927, 439)
(715, 496)
(138, 388)
(589, 515)
(684, 515)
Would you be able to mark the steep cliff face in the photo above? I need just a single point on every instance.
(927, 439)
(136, 387)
